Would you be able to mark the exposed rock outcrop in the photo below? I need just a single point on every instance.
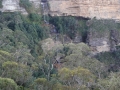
(115, 39)
(12, 6)
(107, 9)
(98, 44)
(107, 42)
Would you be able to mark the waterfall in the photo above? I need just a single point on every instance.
(43, 9)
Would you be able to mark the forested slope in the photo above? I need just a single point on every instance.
(35, 55)
(41, 52)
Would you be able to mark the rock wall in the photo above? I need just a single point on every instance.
(107, 42)
(107, 9)
(13, 5)
(98, 43)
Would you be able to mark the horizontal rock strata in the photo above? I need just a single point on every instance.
(106, 9)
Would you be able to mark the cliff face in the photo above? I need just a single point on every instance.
(107, 9)
(13, 5)
(99, 44)
(109, 41)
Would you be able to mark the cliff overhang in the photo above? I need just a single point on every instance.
(105, 9)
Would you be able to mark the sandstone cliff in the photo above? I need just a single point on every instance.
(103, 35)
(13, 5)
(107, 9)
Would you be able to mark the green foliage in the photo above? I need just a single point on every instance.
(20, 73)
(46, 68)
(5, 54)
(19, 37)
(1, 3)
(9, 64)
(40, 83)
(106, 57)
(76, 78)
(26, 4)
(27, 30)
(112, 59)
(69, 25)
(102, 25)
(111, 83)
(76, 54)
(7, 84)
(34, 63)
(35, 17)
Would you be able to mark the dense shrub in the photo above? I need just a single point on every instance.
(69, 25)
(112, 59)
(26, 4)
(1, 4)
